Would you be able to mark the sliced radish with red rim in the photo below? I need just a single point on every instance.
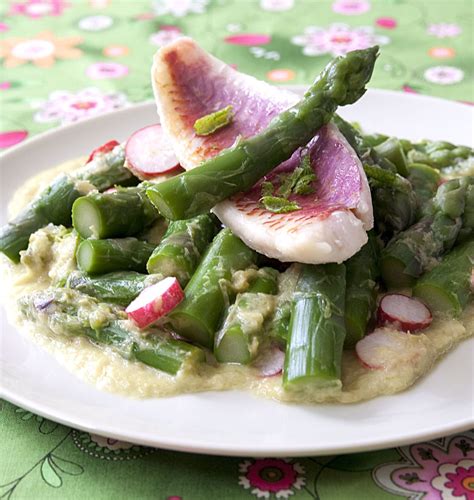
(155, 301)
(149, 153)
(105, 148)
(270, 362)
(403, 313)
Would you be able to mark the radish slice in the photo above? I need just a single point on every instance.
(403, 313)
(111, 190)
(384, 348)
(270, 363)
(105, 148)
(155, 301)
(149, 153)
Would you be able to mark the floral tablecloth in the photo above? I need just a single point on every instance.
(65, 60)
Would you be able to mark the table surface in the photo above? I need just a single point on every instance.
(63, 61)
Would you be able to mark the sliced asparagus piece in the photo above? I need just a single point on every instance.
(124, 212)
(117, 288)
(361, 290)
(68, 312)
(447, 287)
(209, 291)
(105, 256)
(392, 150)
(316, 336)
(54, 203)
(241, 166)
(239, 338)
(182, 247)
(425, 181)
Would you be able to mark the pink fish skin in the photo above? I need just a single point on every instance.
(330, 226)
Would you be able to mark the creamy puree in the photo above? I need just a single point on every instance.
(106, 370)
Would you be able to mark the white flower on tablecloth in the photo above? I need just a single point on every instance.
(260, 52)
(95, 23)
(444, 75)
(351, 7)
(165, 35)
(337, 39)
(277, 5)
(233, 27)
(444, 30)
(179, 8)
(68, 107)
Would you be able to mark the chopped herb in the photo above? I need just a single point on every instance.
(278, 205)
(208, 124)
(299, 181)
(267, 188)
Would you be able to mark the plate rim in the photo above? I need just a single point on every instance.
(175, 444)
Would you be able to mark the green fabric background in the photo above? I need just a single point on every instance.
(41, 459)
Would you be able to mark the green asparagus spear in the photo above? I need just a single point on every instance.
(239, 338)
(361, 290)
(54, 203)
(467, 230)
(314, 349)
(117, 288)
(392, 150)
(68, 312)
(105, 256)
(447, 287)
(438, 154)
(417, 249)
(124, 212)
(393, 198)
(278, 328)
(425, 181)
(209, 291)
(241, 166)
(182, 247)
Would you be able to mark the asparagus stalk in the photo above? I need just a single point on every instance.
(117, 288)
(447, 287)
(105, 256)
(316, 335)
(393, 198)
(392, 150)
(467, 230)
(239, 338)
(182, 247)
(209, 291)
(425, 181)
(54, 203)
(361, 290)
(417, 249)
(437, 154)
(124, 212)
(241, 166)
(67, 312)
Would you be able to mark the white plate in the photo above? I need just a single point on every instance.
(235, 423)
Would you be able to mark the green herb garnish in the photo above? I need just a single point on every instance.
(299, 181)
(278, 205)
(208, 124)
(379, 175)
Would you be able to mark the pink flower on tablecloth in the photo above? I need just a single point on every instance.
(277, 5)
(388, 23)
(179, 8)
(433, 470)
(12, 137)
(165, 35)
(444, 30)
(5, 85)
(271, 476)
(4, 27)
(248, 39)
(351, 7)
(444, 75)
(337, 39)
(67, 107)
(106, 70)
(42, 50)
(38, 8)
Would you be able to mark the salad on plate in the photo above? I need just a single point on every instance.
(252, 239)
